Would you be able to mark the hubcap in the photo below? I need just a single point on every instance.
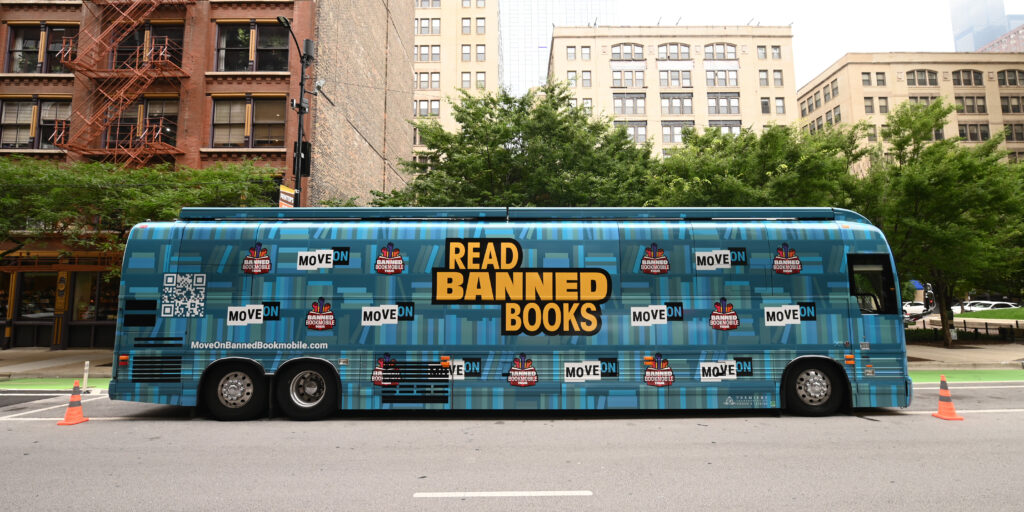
(813, 387)
(235, 390)
(307, 388)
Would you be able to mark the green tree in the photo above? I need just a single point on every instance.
(779, 167)
(952, 213)
(93, 206)
(533, 150)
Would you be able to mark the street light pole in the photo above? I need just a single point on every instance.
(302, 107)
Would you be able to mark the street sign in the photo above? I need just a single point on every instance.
(287, 197)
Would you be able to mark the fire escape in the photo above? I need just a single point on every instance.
(117, 75)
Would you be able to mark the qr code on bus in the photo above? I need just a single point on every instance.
(184, 296)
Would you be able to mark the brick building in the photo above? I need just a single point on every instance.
(193, 83)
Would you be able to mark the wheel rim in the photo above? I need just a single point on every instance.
(307, 388)
(235, 390)
(813, 387)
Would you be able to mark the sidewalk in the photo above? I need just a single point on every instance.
(33, 363)
(43, 363)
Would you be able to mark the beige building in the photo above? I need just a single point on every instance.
(656, 81)
(866, 86)
(456, 47)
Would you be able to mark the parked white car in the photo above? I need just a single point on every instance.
(985, 305)
(913, 308)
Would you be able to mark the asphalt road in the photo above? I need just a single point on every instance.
(137, 456)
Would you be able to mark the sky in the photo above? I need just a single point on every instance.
(822, 31)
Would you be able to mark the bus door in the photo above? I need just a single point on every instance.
(875, 320)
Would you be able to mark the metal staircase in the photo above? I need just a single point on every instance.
(117, 76)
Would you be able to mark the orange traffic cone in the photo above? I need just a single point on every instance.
(946, 409)
(74, 414)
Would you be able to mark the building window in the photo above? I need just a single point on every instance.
(585, 52)
(481, 52)
(883, 105)
(762, 77)
(828, 118)
(674, 78)
(426, 108)
(1014, 132)
(23, 48)
(673, 51)
(865, 79)
(921, 100)
(873, 133)
(233, 48)
(922, 78)
(427, 53)
(766, 105)
(467, 80)
(481, 25)
(467, 3)
(427, 26)
(162, 120)
(570, 53)
(776, 52)
(780, 105)
(835, 114)
(1010, 77)
(572, 102)
(467, 26)
(627, 51)
(588, 105)
(481, 80)
(879, 79)
(835, 87)
(467, 53)
(762, 52)
(16, 123)
(723, 103)
(1011, 104)
(265, 127)
(570, 76)
(827, 92)
(586, 79)
(726, 127)
(869, 105)
(971, 104)
(672, 131)
(974, 132)
(635, 130)
(676, 103)
(627, 78)
(803, 109)
(967, 77)
(629, 103)
(725, 78)
(777, 77)
(481, 3)
(817, 101)
(719, 51)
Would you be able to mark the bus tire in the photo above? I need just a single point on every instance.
(307, 391)
(234, 392)
(813, 388)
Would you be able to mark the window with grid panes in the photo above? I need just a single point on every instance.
(1014, 132)
(719, 51)
(585, 52)
(627, 51)
(673, 51)
(869, 105)
(1010, 104)
(676, 103)
(1010, 78)
(780, 106)
(967, 78)
(971, 104)
(723, 103)
(922, 78)
(570, 53)
(766, 105)
(585, 76)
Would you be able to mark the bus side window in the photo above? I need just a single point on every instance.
(872, 283)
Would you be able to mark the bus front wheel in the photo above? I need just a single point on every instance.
(813, 388)
(235, 392)
(307, 391)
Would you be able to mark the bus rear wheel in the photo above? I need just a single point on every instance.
(813, 388)
(235, 392)
(307, 391)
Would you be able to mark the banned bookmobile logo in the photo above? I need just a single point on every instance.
(257, 261)
(654, 261)
(554, 301)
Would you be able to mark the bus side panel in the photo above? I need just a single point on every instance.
(151, 341)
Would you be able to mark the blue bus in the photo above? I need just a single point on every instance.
(313, 310)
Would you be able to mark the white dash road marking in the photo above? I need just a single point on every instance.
(501, 494)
